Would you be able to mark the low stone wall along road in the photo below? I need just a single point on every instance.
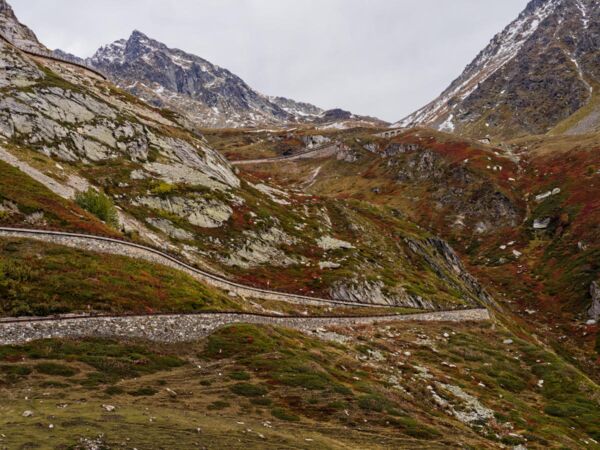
(191, 327)
(181, 327)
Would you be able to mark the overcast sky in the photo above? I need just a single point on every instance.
(384, 58)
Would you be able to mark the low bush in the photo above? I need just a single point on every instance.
(248, 390)
(113, 390)
(414, 428)
(100, 205)
(163, 189)
(60, 370)
(218, 405)
(21, 371)
(261, 401)
(144, 392)
(13, 284)
(284, 414)
(239, 376)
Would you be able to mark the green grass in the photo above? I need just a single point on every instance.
(306, 377)
(42, 279)
(237, 379)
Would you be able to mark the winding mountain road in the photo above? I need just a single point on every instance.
(321, 151)
(185, 327)
(124, 248)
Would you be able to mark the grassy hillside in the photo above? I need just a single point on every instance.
(42, 279)
(482, 199)
(260, 387)
(23, 201)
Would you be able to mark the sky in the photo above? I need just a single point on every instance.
(384, 58)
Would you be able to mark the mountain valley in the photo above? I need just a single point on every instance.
(256, 272)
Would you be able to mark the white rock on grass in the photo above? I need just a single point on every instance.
(167, 227)
(204, 213)
(471, 411)
(262, 248)
(541, 224)
(329, 243)
(328, 265)
(276, 195)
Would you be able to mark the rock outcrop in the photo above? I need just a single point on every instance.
(69, 123)
(375, 293)
(452, 270)
(261, 247)
(594, 311)
(197, 211)
(15, 31)
(454, 187)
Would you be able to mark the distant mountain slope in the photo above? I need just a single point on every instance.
(541, 71)
(15, 31)
(206, 93)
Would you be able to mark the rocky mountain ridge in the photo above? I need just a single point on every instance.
(15, 31)
(180, 81)
(540, 72)
(207, 94)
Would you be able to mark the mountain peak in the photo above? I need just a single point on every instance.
(137, 34)
(168, 77)
(140, 37)
(5, 8)
(511, 87)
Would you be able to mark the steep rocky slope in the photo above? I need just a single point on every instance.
(359, 223)
(15, 31)
(539, 73)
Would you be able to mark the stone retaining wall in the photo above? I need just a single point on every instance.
(186, 328)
